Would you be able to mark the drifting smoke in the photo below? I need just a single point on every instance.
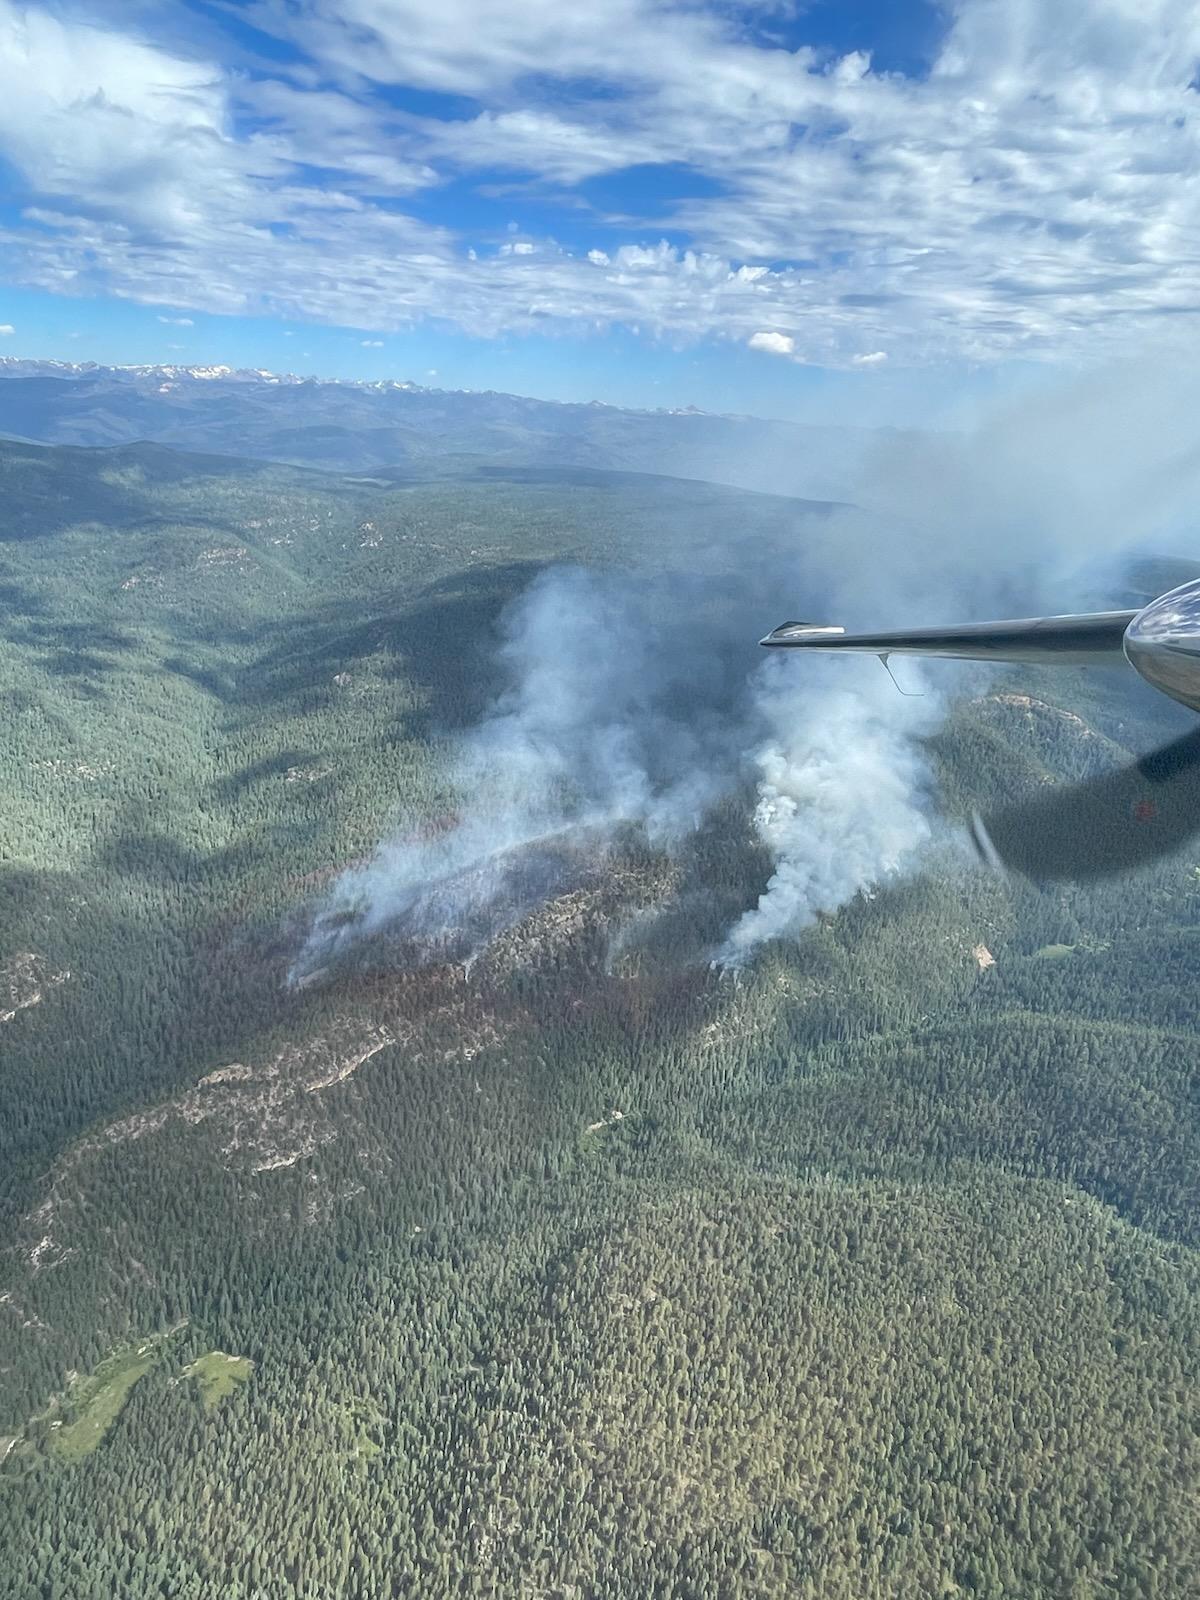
(635, 702)
(625, 711)
(842, 793)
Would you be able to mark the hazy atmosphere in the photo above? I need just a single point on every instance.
(632, 700)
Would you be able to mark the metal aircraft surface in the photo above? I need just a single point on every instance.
(1105, 825)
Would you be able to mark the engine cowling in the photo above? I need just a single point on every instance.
(1163, 644)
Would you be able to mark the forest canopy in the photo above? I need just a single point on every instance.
(570, 1263)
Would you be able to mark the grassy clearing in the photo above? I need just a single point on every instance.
(218, 1375)
(1054, 952)
(98, 1401)
(75, 1420)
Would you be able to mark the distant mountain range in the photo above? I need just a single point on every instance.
(356, 426)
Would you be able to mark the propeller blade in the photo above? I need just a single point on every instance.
(1106, 825)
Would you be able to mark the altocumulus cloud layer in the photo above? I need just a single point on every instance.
(636, 702)
(1037, 189)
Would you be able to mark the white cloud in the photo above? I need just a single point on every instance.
(1037, 192)
(112, 122)
(372, 344)
(6, 330)
(178, 322)
(481, 47)
(545, 142)
(777, 344)
(163, 183)
(328, 131)
(874, 358)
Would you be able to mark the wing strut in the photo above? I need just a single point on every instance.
(909, 694)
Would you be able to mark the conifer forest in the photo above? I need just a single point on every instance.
(358, 1241)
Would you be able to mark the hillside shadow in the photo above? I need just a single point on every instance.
(158, 858)
(84, 636)
(75, 664)
(443, 640)
(19, 602)
(232, 788)
(81, 652)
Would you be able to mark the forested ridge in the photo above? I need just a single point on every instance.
(580, 1268)
(392, 426)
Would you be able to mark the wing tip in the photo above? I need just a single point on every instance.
(802, 633)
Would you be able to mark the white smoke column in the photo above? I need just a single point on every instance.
(617, 714)
(973, 523)
(842, 790)
(634, 699)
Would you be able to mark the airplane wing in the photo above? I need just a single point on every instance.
(1094, 636)
(1112, 823)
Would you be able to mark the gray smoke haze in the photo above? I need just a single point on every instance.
(626, 710)
(638, 700)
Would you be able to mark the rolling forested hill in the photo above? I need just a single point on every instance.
(581, 1267)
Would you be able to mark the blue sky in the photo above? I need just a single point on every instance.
(867, 211)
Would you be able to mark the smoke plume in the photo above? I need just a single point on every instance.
(625, 712)
(633, 702)
(843, 792)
